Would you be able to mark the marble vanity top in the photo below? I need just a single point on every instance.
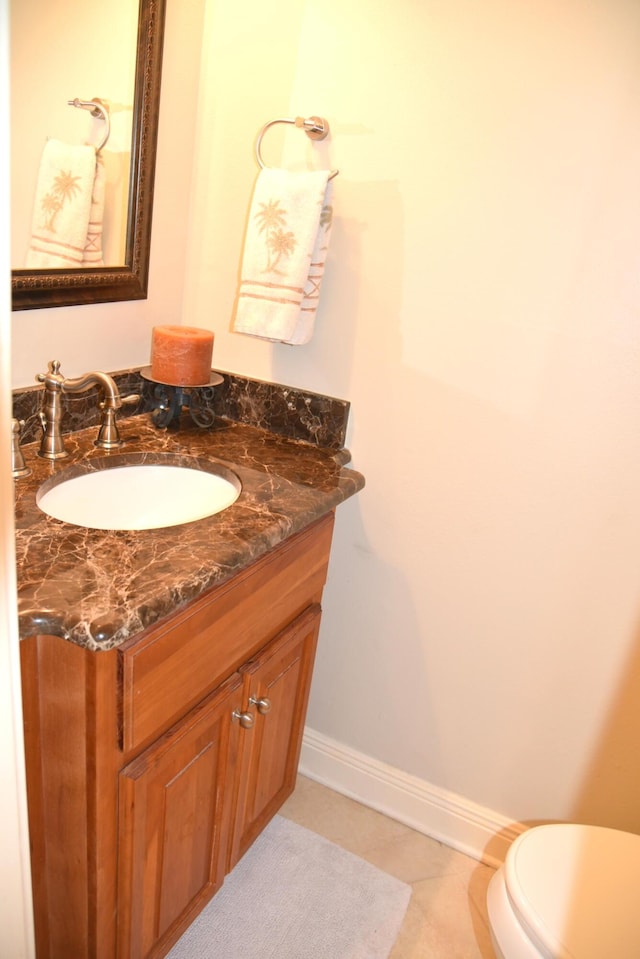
(97, 588)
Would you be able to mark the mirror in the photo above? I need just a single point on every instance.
(133, 138)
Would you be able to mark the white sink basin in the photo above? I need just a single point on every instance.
(145, 495)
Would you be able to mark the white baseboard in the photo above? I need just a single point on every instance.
(451, 819)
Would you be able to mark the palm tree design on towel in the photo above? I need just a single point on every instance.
(65, 187)
(272, 219)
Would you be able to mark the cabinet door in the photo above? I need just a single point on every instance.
(175, 815)
(275, 692)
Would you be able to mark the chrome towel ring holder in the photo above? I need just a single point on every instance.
(100, 111)
(316, 128)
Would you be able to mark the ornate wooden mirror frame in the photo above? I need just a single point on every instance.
(32, 289)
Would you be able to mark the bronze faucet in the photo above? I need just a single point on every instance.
(52, 444)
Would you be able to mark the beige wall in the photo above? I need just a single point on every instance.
(480, 310)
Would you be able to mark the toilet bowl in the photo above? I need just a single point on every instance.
(567, 892)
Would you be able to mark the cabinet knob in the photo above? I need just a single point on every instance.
(264, 704)
(246, 720)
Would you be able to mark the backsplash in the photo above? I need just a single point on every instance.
(294, 413)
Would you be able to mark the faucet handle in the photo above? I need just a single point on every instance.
(108, 435)
(53, 377)
(131, 400)
(18, 465)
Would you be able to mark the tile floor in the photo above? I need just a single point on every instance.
(446, 918)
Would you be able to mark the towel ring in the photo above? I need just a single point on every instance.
(99, 110)
(316, 128)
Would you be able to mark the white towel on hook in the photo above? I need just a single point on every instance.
(62, 206)
(92, 253)
(284, 256)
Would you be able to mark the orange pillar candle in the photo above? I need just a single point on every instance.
(181, 355)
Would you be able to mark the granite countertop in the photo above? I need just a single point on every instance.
(97, 588)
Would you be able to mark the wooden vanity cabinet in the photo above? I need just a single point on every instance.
(151, 768)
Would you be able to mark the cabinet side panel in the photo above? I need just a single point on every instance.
(104, 759)
(59, 682)
(35, 792)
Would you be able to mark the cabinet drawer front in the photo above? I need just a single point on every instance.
(169, 668)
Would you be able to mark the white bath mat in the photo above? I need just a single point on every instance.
(295, 895)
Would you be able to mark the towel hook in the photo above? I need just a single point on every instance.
(99, 110)
(316, 128)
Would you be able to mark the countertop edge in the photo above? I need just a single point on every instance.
(294, 487)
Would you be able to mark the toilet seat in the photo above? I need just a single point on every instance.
(575, 890)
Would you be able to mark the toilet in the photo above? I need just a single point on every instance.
(567, 892)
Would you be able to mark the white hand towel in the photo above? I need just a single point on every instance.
(92, 253)
(284, 256)
(62, 206)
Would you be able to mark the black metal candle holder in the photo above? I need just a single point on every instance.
(170, 401)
